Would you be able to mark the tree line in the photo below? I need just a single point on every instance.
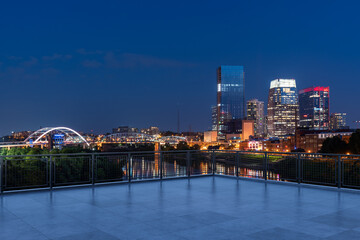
(339, 146)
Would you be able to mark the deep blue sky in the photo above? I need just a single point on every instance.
(100, 64)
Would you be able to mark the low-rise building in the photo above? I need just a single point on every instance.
(247, 129)
(125, 129)
(151, 131)
(210, 136)
(312, 140)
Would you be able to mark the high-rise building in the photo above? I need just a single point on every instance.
(230, 99)
(338, 121)
(283, 107)
(214, 118)
(314, 108)
(255, 111)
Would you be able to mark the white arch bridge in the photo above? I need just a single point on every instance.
(41, 136)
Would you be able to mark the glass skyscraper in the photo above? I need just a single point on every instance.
(282, 107)
(314, 108)
(230, 99)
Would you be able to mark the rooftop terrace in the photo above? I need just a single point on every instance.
(180, 195)
(210, 207)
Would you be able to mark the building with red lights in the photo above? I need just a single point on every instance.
(314, 108)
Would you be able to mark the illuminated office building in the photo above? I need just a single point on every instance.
(282, 107)
(230, 99)
(255, 111)
(214, 118)
(338, 121)
(314, 108)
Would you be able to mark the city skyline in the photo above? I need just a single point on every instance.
(184, 129)
(179, 119)
(81, 65)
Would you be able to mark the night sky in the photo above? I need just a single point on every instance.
(95, 65)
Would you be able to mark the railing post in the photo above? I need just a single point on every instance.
(1, 174)
(51, 173)
(213, 162)
(298, 172)
(237, 156)
(161, 165)
(188, 163)
(129, 166)
(339, 171)
(265, 166)
(92, 168)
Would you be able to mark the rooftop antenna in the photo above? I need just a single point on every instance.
(178, 120)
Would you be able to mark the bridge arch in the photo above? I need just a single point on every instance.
(39, 134)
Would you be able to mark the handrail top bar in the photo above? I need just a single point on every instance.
(181, 151)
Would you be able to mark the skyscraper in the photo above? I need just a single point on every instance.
(338, 121)
(255, 111)
(213, 118)
(230, 99)
(282, 107)
(314, 108)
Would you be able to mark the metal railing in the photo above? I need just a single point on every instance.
(54, 170)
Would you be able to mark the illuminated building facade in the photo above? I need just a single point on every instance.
(282, 107)
(20, 136)
(125, 129)
(210, 136)
(255, 111)
(255, 146)
(214, 118)
(314, 108)
(230, 99)
(312, 140)
(338, 121)
(247, 129)
(151, 131)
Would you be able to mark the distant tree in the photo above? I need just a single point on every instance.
(182, 146)
(144, 147)
(3, 151)
(74, 149)
(298, 150)
(195, 147)
(35, 151)
(354, 143)
(213, 147)
(55, 151)
(334, 145)
(167, 147)
(230, 147)
(169, 133)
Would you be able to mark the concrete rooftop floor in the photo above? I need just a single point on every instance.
(199, 208)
